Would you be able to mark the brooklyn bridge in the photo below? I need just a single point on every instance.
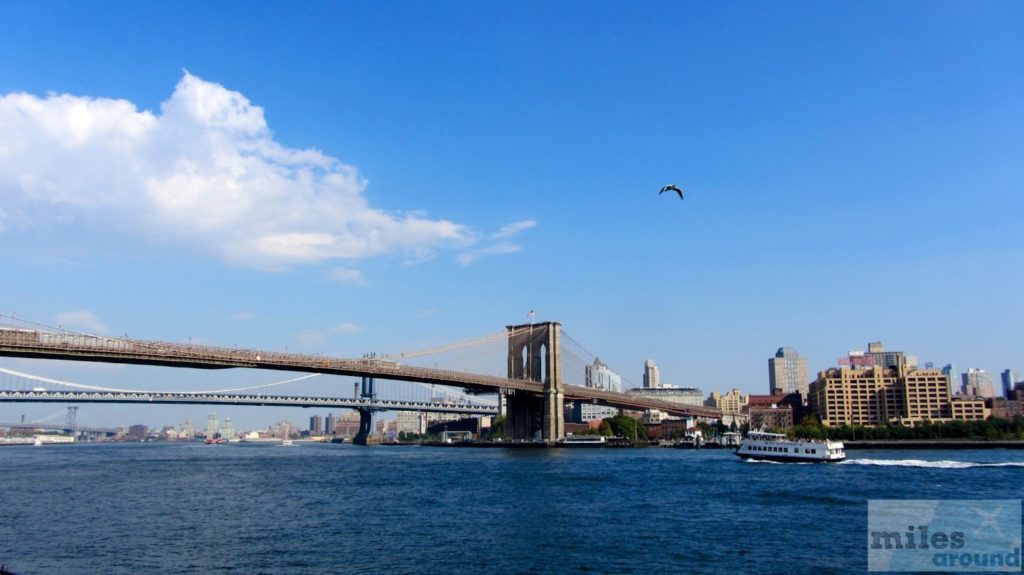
(531, 393)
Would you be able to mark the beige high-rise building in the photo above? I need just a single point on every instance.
(851, 396)
(787, 373)
(875, 395)
(732, 403)
(651, 377)
(927, 395)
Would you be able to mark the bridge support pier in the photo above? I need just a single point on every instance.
(365, 414)
(365, 427)
(533, 354)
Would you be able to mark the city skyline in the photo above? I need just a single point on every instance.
(416, 181)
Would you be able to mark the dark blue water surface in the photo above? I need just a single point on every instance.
(259, 508)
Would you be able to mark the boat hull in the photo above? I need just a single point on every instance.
(786, 459)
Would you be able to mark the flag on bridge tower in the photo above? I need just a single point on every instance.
(530, 315)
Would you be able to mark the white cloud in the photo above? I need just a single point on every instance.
(81, 321)
(243, 316)
(347, 276)
(346, 328)
(509, 230)
(502, 245)
(204, 172)
(466, 258)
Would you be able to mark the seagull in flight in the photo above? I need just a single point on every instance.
(672, 188)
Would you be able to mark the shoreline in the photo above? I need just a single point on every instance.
(932, 444)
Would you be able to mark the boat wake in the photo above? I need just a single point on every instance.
(932, 464)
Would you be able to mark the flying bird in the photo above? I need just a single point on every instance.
(672, 188)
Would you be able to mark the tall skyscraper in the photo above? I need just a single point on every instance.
(316, 425)
(212, 425)
(601, 377)
(978, 383)
(1009, 378)
(952, 376)
(787, 373)
(651, 377)
(228, 431)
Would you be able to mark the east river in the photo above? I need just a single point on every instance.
(321, 508)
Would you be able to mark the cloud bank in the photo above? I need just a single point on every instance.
(204, 173)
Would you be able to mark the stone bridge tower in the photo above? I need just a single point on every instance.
(534, 354)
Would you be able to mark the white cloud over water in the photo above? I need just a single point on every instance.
(205, 174)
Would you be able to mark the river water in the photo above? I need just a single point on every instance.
(322, 508)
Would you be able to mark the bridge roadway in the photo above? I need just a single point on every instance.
(162, 397)
(81, 347)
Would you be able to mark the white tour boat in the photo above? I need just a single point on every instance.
(583, 441)
(777, 447)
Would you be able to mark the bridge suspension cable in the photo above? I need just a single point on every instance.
(581, 362)
(482, 340)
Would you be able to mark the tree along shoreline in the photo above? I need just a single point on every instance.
(954, 432)
(933, 444)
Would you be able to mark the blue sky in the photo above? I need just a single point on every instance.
(349, 177)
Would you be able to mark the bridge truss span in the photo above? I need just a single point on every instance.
(233, 399)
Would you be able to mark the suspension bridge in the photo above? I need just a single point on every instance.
(541, 369)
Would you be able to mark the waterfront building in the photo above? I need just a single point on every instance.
(787, 373)
(330, 424)
(186, 430)
(856, 396)
(1005, 408)
(599, 376)
(316, 425)
(968, 408)
(137, 432)
(471, 425)
(585, 412)
(780, 411)
(775, 417)
(927, 395)
(410, 422)
(1009, 379)
(652, 379)
(977, 383)
(683, 395)
(876, 395)
(347, 425)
